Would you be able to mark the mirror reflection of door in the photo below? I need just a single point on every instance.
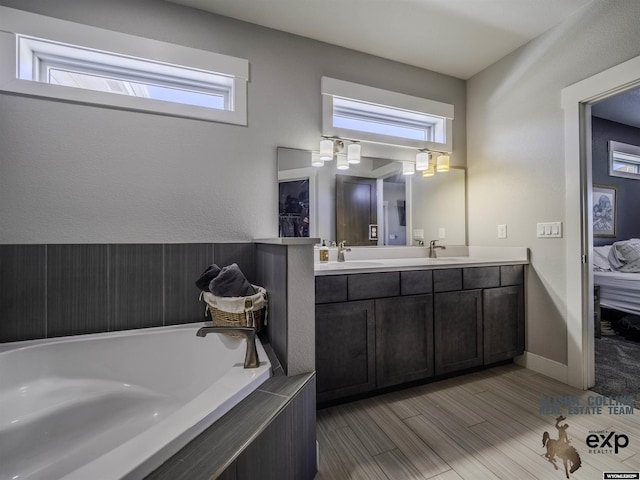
(356, 209)
(294, 208)
(395, 215)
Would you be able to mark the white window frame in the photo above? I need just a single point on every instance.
(626, 154)
(188, 64)
(333, 89)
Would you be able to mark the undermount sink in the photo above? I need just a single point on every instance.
(349, 264)
(449, 259)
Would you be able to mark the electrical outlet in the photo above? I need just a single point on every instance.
(502, 231)
(441, 233)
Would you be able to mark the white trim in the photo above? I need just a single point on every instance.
(579, 280)
(14, 22)
(550, 368)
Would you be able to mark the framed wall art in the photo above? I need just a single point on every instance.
(604, 211)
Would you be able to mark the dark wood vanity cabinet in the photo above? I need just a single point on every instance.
(404, 339)
(458, 331)
(376, 330)
(345, 349)
(503, 312)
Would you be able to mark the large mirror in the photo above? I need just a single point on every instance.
(370, 203)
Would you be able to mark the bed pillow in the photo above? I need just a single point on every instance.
(601, 258)
(624, 256)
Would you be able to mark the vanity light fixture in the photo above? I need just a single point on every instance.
(326, 149)
(353, 152)
(316, 161)
(343, 163)
(429, 172)
(443, 163)
(422, 160)
(408, 168)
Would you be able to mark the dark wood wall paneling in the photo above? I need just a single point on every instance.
(55, 290)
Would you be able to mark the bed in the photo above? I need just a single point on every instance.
(619, 290)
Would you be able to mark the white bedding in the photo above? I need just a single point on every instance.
(619, 290)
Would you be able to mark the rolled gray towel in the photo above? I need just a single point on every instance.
(209, 274)
(231, 282)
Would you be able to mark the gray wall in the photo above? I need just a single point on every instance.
(628, 189)
(516, 144)
(82, 174)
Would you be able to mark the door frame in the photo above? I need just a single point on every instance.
(576, 103)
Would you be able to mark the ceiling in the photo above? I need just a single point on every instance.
(454, 37)
(622, 108)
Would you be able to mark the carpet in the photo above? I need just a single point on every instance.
(617, 367)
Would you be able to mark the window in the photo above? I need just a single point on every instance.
(624, 160)
(113, 69)
(367, 117)
(365, 113)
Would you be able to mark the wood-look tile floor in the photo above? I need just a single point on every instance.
(486, 425)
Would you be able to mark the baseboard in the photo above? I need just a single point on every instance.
(550, 368)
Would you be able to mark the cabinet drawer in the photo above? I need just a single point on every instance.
(363, 286)
(447, 280)
(511, 275)
(331, 288)
(416, 282)
(480, 277)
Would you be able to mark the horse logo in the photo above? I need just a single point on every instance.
(561, 448)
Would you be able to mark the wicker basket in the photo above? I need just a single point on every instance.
(248, 311)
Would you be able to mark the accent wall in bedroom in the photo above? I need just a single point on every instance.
(628, 190)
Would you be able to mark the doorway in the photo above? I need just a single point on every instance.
(356, 210)
(615, 169)
(577, 101)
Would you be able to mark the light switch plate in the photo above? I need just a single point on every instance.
(549, 230)
(441, 232)
(418, 234)
(502, 231)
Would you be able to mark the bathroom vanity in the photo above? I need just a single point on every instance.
(385, 322)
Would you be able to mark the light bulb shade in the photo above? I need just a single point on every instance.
(408, 168)
(326, 149)
(422, 160)
(429, 172)
(343, 163)
(353, 153)
(443, 163)
(316, 161)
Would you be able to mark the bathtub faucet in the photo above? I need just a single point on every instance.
(251, 359)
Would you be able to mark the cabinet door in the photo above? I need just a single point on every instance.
(503, 310)
(345, 349)
(457, 330)
(404, 339)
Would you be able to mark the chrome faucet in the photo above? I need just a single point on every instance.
(251, 359)
(341, 250)
(432, 248)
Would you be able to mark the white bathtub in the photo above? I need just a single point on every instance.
(114, 405)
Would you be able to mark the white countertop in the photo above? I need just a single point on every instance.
(478, 256)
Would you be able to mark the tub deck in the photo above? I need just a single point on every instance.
(86, 423)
